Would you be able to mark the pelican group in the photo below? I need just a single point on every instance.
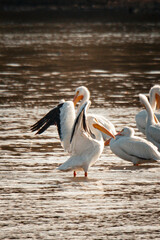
(80, 134)
(84, 135)
(154, 99)
(152, 129)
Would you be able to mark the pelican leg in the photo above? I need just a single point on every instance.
(74, 173)
(85, 174)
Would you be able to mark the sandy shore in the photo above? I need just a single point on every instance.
(116, 201)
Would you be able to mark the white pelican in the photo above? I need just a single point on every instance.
(86, 142)
(152, 129)
(154, 99)
(63, 116)
(82, 94)
(133, 149)
(80, 137)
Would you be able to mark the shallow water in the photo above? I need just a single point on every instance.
(41, 63)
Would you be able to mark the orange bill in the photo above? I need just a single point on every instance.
(103, 129)
(107, 142)
(156, 119)
(77, 98)
(157, 101)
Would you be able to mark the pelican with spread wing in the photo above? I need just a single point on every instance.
(152, 129)
(82, 95)
(80, 136)
(154, 99)
(133, 149)
(86, 143)
(63, 116)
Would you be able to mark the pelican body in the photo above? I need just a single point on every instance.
(152, 129)
(86, 142)
(154, 99)
(80, 136)
(133, 149)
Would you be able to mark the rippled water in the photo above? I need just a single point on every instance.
(41, 63)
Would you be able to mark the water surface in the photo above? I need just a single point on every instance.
(41, 63)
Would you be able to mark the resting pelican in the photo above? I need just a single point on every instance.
(133, 149)
(82, 94)
(152, 129)
(86, 142)
(63, 116)
(154, 98)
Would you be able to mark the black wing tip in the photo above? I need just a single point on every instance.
(38, 125)
(49, 119)
(33, 130)
(35, 127)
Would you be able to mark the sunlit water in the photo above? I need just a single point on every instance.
(39, 65)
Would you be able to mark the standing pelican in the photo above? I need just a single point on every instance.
(80, 136)
(152, 129)
(86, 142)
(63, 116)
(154, 98)
(82, 94)
(133, 149)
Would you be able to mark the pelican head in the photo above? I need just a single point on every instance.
(146, 104)
(97, 125)
(81, 93)
(127, 132)
(154, 97)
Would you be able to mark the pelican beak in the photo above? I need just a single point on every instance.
(119, 133)
(77, 98)
(107, 142)
(157, 101)
(156, 119)
(103, 129)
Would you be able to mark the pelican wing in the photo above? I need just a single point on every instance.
(63, 116)
(138, 147)
(51, 118)
(80, 121)
(141, 119)
(154, 133)
(81, 140)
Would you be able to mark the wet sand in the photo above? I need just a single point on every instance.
(116, 201)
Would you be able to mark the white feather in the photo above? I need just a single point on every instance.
(67, 117)
(141, 117)
(152, 129)
(134, 149)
